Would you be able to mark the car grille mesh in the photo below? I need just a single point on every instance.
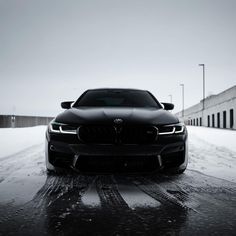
(117, 134)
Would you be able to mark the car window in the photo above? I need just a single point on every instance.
(117, 98)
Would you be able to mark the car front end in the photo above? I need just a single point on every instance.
(116, 147)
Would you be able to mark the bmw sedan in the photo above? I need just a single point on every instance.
(110, 130)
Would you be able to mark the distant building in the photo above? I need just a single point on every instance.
(219, 111)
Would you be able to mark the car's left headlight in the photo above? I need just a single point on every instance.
(55, 127)
(171, 129)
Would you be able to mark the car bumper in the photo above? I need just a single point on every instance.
(66, 151)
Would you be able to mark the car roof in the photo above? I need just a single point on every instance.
(116, 89)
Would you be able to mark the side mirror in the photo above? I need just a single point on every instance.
(66, 105)
(168, 106)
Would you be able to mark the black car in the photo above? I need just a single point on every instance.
(113, 130)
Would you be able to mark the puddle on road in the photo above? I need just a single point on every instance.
(136, 198)
(91, 198)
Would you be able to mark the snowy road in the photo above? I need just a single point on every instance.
(202, 201)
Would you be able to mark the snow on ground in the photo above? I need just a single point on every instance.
(14, 140)
(219, 137)
(22, 163)
(22, 175)
(213, 152)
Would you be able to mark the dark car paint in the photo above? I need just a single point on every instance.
(96, 115)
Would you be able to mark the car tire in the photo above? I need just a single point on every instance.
(50, 172)
(174, 171)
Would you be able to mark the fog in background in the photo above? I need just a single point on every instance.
(51, 51)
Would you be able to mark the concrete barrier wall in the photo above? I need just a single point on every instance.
(7, 121)
(219, 111)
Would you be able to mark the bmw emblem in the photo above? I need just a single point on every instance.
(118, 121)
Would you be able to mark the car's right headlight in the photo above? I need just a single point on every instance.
(55, 127)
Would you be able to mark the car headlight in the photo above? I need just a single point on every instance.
(171, 129)
(55, 127)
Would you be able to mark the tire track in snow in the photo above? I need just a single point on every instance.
(196, 190)
(59, 197)
(126, 220)
(109, 194)
(57, 187)
(205, 189)
(156, 191)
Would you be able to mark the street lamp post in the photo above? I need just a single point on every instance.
(170, 98)
(203, 77)
(182, 85)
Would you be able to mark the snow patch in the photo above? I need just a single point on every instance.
(213, 152)
(221, 138)
(14, 140)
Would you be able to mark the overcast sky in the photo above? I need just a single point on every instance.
(51, 51)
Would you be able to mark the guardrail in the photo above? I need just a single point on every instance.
(12, 121)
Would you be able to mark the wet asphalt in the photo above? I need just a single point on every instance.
(34, 203)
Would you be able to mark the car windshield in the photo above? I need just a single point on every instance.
(117, 98)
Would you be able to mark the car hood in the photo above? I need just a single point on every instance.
(90, 115)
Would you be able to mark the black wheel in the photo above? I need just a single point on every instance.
(51, 172)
